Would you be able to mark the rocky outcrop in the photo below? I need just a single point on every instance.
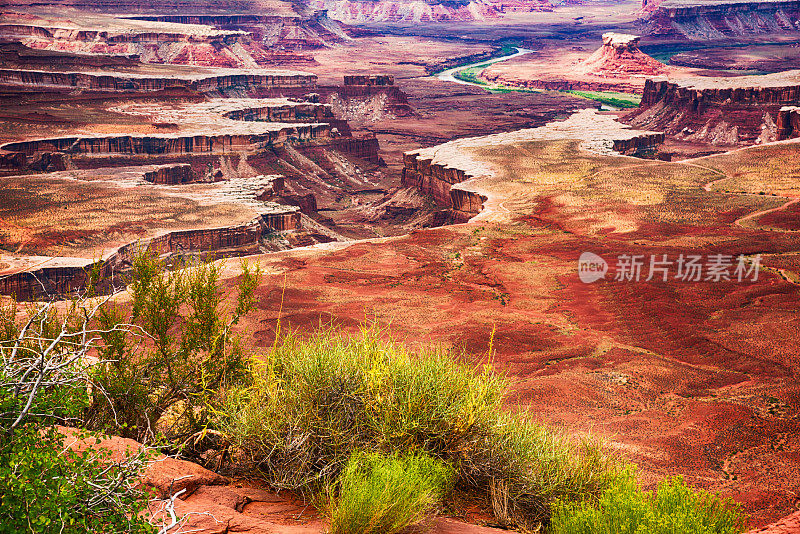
(366, 103)
(365, 148)
(137, 83)
(171, 175)
(311, 30)
(714, 20)
(284, 112)
(13, 161)
(620, 56)
(788, 123)
(171, 144)
(787, 525)
(307, 203)
(723, 111)
(437, 180)
(281, 221)
(209, 503)
(65, 276)
(17, 55)
(374, 79)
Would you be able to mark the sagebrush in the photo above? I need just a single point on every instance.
(385, 494)
(314, 401)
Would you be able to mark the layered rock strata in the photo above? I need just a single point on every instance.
(620, 55)
(459, 179)
(313, 29)
(116, 82)
(788, 123)
(64, 276)
(171, 174)
(358, 11)
(722, 111)
(375, 79)
(719, 20)
(199, 143)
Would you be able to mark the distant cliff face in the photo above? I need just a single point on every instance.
(717, 20)
(229, 41)
(720, 111)
(355, 11)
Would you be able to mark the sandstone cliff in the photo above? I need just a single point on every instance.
(171, 174)
(722, 111)
(620, 56)
(200, 143)
(359, 11)
(460, 179)
(252, 80)
(64, 276)
(715, 20)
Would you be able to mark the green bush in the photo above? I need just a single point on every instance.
(46, 487)
(673, 508)
(315, 401)
(167, 354)
(378, 494)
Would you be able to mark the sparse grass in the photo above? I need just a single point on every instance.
(611, 98)
(316, 401)
(625, 509)
(378, 494)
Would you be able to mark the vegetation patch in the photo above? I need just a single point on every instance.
(674, 507)
(316, 401)
(379, 494)
(611, 98)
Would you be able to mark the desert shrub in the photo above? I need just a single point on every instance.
(380, 494)
(166, 354)
(44, 486)
(315, 401)
(674, 507)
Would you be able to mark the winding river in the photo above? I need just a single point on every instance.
(449, 74)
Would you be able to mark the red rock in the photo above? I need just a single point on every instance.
(163, 474)
(727, 111)
(171, 175)
(788, 525)
(699, 20)
(168, 476)
(620, 55)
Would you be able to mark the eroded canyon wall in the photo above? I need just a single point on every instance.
(166, 144)
(73, 275)
(118, 82)
(681, 20)
(722, 111)
(438, 180)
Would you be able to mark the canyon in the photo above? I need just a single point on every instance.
(394, 11)
(316, 140)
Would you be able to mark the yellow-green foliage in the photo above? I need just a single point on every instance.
(674, 508)
(315, 401)
(379, 494)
